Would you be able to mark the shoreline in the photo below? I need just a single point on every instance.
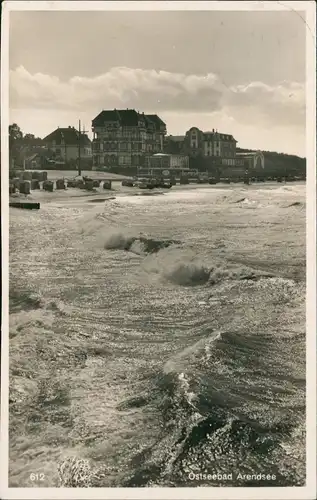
(118, 190)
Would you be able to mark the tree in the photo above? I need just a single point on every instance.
(15, 141)
(15, 133)
(31, 141)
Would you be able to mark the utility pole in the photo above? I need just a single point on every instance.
(80, 132)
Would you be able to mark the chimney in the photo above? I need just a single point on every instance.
(213, 130)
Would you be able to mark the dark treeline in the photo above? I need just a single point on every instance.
(19, 142)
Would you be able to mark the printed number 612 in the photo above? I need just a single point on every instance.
(37, 477)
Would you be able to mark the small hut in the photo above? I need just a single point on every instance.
(25, 187)
(89, 184)
(16, 182)
(35, 184)
(71, 183)
(60, 184)
(25, 176)
(48, 186)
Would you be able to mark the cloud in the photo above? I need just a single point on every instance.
(161, 91)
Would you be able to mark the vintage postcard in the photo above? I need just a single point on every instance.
(158, 217)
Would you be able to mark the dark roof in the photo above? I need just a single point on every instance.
(124, 117)
(69, 135)
(129, 117)
(149, 122)
(156, 120)
(216, 134)
(105, 116)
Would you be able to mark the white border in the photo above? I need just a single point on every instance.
(93, 5)
(309, 491)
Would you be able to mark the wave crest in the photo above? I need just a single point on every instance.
(188, 274)
(137, 244)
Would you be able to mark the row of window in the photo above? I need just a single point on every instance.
(222, 137)
(228, 145)
(121, 160)
(137, 134)
(227, 161)
(209, 143)
(209, 153)
(114, 146)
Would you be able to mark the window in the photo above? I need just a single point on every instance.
(124, 160)
(135, 160)
(58, 151)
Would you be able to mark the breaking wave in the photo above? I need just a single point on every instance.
(187, 274)
(213, 420)
(24, 300)
(20, 300)
(136, 244)
(182, 267)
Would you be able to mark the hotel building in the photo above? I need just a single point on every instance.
(123, 138)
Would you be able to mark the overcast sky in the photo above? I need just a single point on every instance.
(242, 73)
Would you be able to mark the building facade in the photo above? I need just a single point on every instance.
(215, 152)
(211, 143)
(198, 144)
(167, 161)
(64, 144)
(161, 164)
(122, 138)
